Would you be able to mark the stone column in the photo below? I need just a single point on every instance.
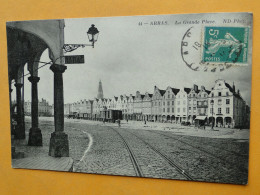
(59, 143)
(20, 129)
(35, 135)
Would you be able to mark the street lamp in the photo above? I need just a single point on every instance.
(212, 103)
(92, 36)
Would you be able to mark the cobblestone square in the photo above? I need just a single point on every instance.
(168, 151)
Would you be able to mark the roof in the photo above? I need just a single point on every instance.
(175, 91)
(150, 95)
(233, 91)
(162, 92)
(200, 117)
(230, 88)
(142, 96)
(187, 90)
(208, 92)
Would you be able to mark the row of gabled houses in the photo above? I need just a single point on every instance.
(222, 104)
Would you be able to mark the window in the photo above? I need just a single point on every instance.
(169, 96)
(219, 101)
(172, 102)
(184, 110)
(219, 110)
(212, 95)
(194, 108)
(199, 110)
(199, 103)
(168, 103)
(178, 102)
(168, 109)
(194, 102)
(164, 103)
(227, 94)
(159, 103)
(163, 109)
(178, 109)
(172, 109)
(189, 108)
(227, 110)
(227, 101)
(184, 102)
(219, 93)
(193, 95)
(211, 110)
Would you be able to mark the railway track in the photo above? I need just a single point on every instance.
(202, 150)
(136, 166)
(166, 158)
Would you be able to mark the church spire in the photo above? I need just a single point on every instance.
(100, 90)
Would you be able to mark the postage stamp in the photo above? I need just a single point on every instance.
(225, 44)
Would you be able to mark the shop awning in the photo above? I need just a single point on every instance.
(200, 118)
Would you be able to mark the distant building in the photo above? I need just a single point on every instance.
(226, 105)
(100, 91)
(44, 109)
(157, 103)
(222, 106)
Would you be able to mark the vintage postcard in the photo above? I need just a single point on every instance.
(165, 96)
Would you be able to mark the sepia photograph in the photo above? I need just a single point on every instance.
(159, 96)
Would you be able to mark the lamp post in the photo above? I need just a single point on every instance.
(92, 36)
(212, 103)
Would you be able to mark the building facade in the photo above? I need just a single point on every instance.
(44, 108)
(223, 106)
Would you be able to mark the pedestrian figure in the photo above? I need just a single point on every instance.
(145, 122)
(118, 122)
(127, 120)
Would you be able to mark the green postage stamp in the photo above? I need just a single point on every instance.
(225, 44)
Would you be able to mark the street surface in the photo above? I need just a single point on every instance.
(155, 150)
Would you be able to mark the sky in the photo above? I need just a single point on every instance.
(128, 57)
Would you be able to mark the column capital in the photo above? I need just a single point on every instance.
(34, 79)
(18, 85)
(56, 68)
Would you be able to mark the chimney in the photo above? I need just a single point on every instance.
(195, 87)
